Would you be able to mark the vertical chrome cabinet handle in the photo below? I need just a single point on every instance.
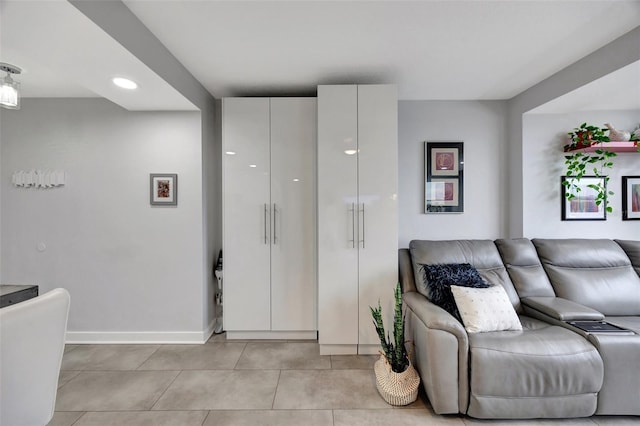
(275, 219)
(265, 223)
(353, 226)
(363, 228)
(353, 223)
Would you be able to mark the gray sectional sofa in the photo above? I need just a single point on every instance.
(550, 369)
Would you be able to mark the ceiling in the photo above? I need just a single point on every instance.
(62, 53)
(431, 49)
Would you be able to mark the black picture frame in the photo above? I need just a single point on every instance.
(583, 206)
(630, 197)
(444, 177)
(163, 189)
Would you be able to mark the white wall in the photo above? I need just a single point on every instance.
(482, 127)
(543, 138)
(132, 269)
(619, 53)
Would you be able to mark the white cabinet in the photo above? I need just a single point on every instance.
(357, 213)
(246, 240)
(269, 221)
(293, 199)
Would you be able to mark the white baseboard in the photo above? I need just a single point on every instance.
(139, 337)
(338, 349)
(272, 335)
(349, 349)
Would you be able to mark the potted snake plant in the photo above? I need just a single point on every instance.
(396, 379)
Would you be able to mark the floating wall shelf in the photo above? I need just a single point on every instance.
(612, 146)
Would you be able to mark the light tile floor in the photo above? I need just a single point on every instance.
(239, 383)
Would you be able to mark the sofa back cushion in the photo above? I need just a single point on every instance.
(594, 273)
(632, 249)
(482, 254)
(524, 268)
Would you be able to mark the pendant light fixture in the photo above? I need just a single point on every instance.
(9, 88)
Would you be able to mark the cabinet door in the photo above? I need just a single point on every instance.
(377, 195)
(246, 212)
(337, 196)
(293, 193)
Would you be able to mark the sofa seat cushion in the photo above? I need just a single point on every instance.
(620, 354)
(630, 323)
(524, 368)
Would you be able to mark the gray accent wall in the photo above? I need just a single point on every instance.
(115, 18)
(482, 127)
(134, 271)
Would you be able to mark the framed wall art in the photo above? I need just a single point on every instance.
(630, 197)
(585, 205)
(164, 189)
(444, 184)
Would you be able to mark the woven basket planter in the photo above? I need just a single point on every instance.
(396, 388)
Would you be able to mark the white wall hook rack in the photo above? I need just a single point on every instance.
(38, 178)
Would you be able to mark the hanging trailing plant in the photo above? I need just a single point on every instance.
(394, 350)
(596, 163)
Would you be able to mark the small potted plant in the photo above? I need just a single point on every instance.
(396, 379)
(595, 163)
(585, 136)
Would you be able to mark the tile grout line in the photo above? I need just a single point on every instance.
(60, 387)
(275, 392)
(205, 418)
(147, 359)
(165, 391)
(78, 419)
(240, 357)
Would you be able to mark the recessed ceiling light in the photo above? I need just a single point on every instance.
(296, 180)
(253, 166)
(350, 151)
(230, 153)
(125, 83)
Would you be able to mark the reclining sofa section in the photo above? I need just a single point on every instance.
(598, 275)
(549, 369)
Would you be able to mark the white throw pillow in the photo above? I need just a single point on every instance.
(485, 309)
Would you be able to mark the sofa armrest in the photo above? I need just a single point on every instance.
(562, 309)
(433, 316)
(441, 353)
(405, 271)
